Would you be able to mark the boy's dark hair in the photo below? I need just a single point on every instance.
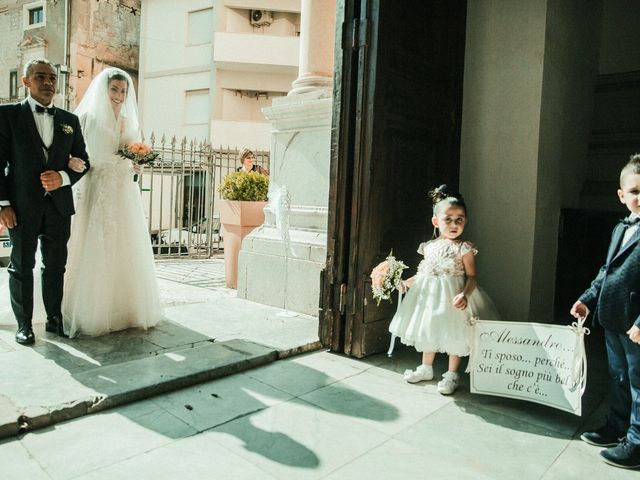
(632, 167)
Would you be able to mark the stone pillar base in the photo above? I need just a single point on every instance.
(300, 157)
(312, 83)
(261, 269)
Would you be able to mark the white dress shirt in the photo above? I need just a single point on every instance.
(630, 230)
(44, 123)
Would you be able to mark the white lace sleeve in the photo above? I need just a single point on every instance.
(421, 248)
(467, 247)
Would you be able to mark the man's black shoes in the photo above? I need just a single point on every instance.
(605, 436)
(623, 455)
(25, 336)
(54, 325)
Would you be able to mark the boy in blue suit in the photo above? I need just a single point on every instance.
(614, 297)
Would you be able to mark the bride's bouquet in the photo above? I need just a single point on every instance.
(386, 277)
(139, 154)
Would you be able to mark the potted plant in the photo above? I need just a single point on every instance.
(244, 196)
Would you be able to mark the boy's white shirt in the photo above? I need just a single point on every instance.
(630, 231)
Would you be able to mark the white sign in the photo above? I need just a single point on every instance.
(529, 361)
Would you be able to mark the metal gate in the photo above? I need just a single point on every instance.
(179, 195)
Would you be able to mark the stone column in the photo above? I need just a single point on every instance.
(317, 33)
(300, 158)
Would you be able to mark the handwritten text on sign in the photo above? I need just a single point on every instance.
(527, 361)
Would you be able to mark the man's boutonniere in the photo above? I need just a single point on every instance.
(68, 129)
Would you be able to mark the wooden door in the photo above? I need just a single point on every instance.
(396, 134)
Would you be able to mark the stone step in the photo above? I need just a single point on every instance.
(111, 385)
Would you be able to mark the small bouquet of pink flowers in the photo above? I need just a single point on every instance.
(139, 154)
(386, 277)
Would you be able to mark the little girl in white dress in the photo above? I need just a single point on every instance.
(442, 296)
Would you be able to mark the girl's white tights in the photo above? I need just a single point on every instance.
(454, 360)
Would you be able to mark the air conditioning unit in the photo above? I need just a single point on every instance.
(260, 18)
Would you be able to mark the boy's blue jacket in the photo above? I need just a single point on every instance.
(614, 295)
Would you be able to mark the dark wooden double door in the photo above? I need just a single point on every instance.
(396, 134)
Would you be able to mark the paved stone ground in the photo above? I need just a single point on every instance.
(320, 416)
(206, 273)
(312, 416)
(207, 333)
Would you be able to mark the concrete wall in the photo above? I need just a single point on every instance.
(170, 67)
(499, 147)
(20, 44)
(163, 104)
(10, 37)
(251, 59)
(620, 48)
(530, 72)
(257, 52)
(284, 23)
(280, 5)
(100, 37)
(238, 119)
(570, 71)
(239, 57)
(615, 131)
(53, 32)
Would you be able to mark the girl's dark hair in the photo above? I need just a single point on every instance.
(444, 196)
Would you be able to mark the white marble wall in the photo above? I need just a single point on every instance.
(300, 157)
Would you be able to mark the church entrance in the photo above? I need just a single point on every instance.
(397, 120)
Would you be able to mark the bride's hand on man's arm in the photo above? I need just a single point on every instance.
(77, 164)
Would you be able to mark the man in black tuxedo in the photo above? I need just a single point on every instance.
(614, 296)
(37, 141)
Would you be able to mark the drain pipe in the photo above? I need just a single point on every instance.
(64, 69)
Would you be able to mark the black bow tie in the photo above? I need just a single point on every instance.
(49, 110)
(629, 222)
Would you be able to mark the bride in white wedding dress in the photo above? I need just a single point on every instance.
(110, 283)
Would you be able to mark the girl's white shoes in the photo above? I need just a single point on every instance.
(420, 374)
(446, 386)
(449, 383)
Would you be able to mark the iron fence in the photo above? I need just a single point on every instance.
(180, 195)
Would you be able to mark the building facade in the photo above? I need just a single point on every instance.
(78, 36)
(215, 64)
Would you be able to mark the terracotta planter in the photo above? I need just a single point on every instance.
(239, 219)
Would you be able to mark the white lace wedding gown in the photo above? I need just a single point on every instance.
(110, 283)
